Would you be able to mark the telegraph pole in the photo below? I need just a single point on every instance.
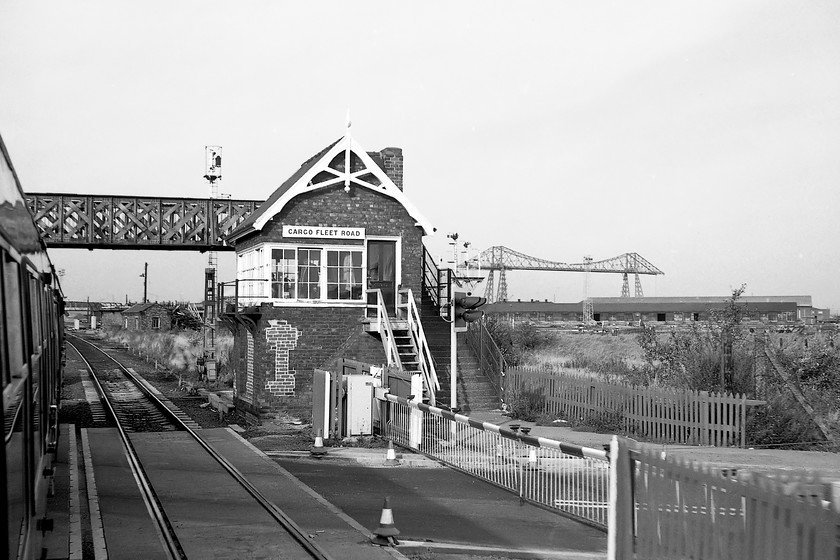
(145, 276)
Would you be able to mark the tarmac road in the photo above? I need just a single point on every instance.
(449, 510)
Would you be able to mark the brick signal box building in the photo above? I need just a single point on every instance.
(307, 260)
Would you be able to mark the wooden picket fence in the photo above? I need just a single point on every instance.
(666, 508)
(661, 415)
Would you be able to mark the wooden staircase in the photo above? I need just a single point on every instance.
(408, 356)
(474, 391)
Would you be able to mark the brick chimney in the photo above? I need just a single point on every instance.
(393, 160)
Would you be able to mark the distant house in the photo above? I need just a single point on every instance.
(147, 317)
(112, 315)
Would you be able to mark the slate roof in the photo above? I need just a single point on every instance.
(140, 307)
(247, 226)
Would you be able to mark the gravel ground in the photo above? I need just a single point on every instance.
(277, 434)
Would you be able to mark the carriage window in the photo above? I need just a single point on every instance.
(14, 323)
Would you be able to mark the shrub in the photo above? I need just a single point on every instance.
(516, 341)
(527, 405)
(778, 424)
(603, 421)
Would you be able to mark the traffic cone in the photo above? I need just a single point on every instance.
(532, 459)
(391, 456)
(386, 533)
(318, 450)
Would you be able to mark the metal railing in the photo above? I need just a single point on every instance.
(490, 360)
(570, 479)
(408, 308)
(236, 295)
(436, 282)
(377, 313)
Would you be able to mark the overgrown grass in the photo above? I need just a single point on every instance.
(603, 356)
(176, 351)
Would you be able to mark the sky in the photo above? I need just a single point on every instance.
(703, 135)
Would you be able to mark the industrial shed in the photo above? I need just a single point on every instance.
(669, 310)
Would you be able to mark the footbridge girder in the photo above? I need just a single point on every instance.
(87, 221)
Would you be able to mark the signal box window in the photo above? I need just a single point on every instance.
(283, 273)
(309, 273)
(344, 275)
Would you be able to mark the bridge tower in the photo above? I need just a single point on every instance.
(588, 311)
(625, 285)
(213, 175)
(503, 295)
(488, 289)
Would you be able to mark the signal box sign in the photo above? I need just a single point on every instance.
(324, 232)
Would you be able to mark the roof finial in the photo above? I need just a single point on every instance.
(349, 122)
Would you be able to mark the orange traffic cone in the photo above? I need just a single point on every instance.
(318, 450)
(386, 533)
(391, 456)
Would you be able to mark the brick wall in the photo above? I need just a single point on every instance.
(393, 160)
(291, 342)
(145, 323)
(377, 213)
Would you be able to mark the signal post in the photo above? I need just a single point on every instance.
(465, 309)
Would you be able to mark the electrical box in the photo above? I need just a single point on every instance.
(359, 405)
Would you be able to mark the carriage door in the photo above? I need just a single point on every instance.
(382, 267)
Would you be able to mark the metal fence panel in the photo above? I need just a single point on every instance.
(567, 478)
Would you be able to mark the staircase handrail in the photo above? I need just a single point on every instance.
(383, 326)
(420, 344)
(436, 281)
(491, 361)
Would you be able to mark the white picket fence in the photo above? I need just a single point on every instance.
(661, 415)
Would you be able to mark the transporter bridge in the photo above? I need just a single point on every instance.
(502, 259)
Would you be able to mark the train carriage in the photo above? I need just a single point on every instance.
(31, 357)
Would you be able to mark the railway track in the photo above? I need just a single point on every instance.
(135, 410)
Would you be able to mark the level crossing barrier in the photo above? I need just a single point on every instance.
(570, 479)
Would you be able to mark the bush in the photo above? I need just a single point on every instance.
(777, 424)
(514, 342)
(602, 421)
(527, 405)
(177, 351)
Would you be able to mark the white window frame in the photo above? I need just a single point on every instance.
(156, 320)
(255, 264)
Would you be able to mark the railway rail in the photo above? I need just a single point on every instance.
(134, 409)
